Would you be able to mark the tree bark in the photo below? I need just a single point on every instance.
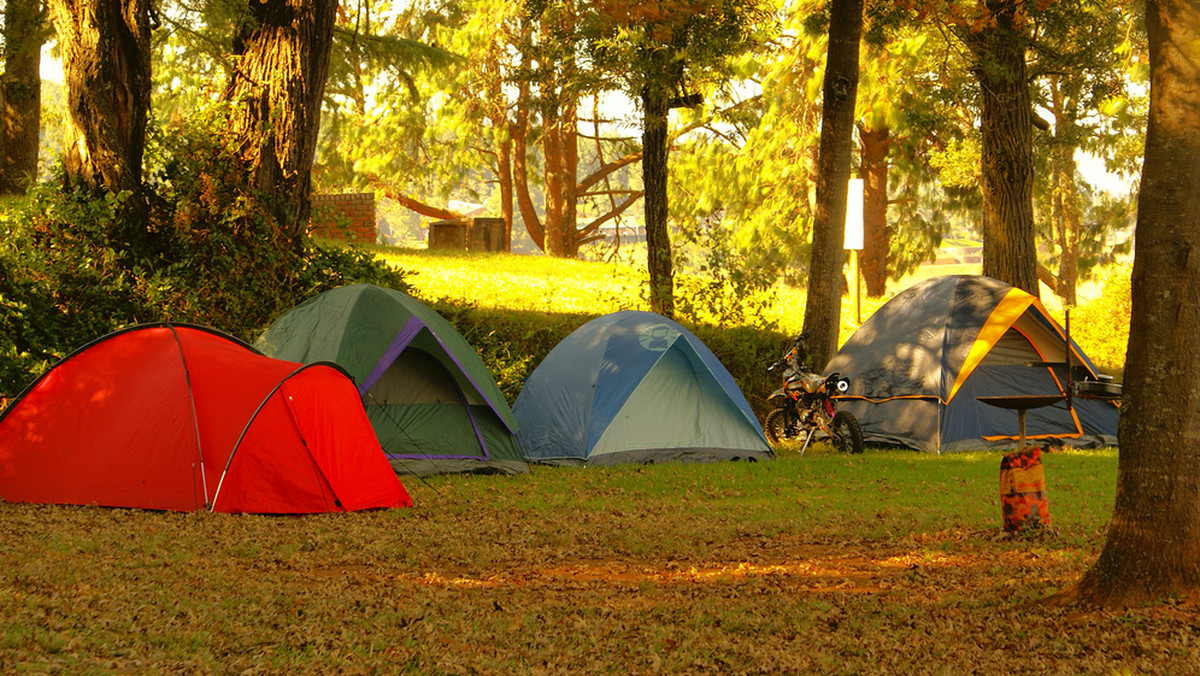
(553, 155)
(498, 114)
(1009, 249)
(1153, 544)
(519, 131)
(276, 92)
(1064, 201)
(106, 65)
(21, 94)
(876, 236)
(1065, 208)
(655, 107)
(822, 311)
(569, 129)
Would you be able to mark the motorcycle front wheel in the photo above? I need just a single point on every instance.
(847, 433)
(778, 428)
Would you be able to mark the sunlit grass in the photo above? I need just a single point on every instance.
(545, 284)
(518, 282)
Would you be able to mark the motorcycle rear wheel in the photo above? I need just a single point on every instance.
(778, 429)
(847, 433)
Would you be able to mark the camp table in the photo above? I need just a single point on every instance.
(1022, 403)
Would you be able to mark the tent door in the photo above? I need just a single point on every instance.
(418, 409)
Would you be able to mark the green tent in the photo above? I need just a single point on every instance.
(434, 406)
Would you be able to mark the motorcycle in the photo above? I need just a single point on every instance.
(805, 404)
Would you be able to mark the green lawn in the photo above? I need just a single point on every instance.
(885, 563)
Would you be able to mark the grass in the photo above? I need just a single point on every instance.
(888, 562)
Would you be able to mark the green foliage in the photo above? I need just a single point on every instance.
(1101, 326)
(724, 288)
(58, 288)
(210, 255)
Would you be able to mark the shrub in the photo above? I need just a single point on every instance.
(1101, 326)
(209, 254)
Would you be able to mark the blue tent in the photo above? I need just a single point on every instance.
(634, 387)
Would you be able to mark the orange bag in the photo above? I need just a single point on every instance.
(1023, 490)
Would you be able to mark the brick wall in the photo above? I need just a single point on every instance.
(348, 216)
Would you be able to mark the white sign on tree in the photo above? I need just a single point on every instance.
(854, 215)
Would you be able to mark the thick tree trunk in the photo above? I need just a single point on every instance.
(20, 94)
(1153, 544)
(106, 65)
(823, 309)
(276, 94)
(876, 237)
(1009, 249)
(655, 107)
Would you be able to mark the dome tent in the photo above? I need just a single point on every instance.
(179, 417)
(433, 404)
(917, 365)
(635, 387)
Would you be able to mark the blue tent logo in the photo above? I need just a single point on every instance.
(658, 337)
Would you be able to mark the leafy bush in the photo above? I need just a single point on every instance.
(209, 254)
(1101, 326)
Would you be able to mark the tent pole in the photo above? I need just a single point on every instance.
(1070, 384)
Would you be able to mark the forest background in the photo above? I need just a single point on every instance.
(443, 109)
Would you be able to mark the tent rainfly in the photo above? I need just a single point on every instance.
(180, 417)
(917, 365)
(434, 405)
(635, 387)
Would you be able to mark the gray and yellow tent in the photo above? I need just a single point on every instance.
(917, 365)
(434, 405)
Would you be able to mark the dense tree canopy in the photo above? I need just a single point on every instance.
(499, 104)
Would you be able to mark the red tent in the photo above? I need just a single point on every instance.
(170, 416)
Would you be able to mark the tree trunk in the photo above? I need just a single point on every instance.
(1065, 208)
(553, 155)
(1009, 250)
(276, 94)
(519, 131)
(498, 114)
(655, 107)
(1153, 544)
(876, 237)
(823, 309)
(1064, 201)
(20, 94)
(569, 126)
(505, 175)
(106, 67)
